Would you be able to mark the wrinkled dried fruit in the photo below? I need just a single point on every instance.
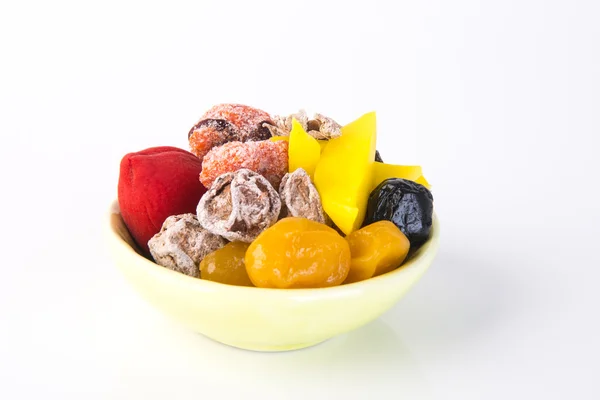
(268, 158)
(182, 243)
(226, 265)
(239, 206)
(299, 197)
(320, 127)
(407, 204)
(376, 249)
(378, 157)
(298, 253)
(327, 128)
(225, 123)
(282, 126)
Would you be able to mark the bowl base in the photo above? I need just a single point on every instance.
(266, 348)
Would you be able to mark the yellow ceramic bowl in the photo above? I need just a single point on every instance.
(263, 319)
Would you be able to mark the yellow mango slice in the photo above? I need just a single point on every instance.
(323, 143)
(421, 180)
(343, 175)
(304, 150)
(382, 171)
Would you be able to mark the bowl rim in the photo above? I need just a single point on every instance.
(412, 266)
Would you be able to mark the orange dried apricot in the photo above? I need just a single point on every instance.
(298, 253)
(226, 265)
(376, 249)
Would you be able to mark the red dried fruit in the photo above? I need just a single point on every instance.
(154, 184)
(270, 159)
(225, 123)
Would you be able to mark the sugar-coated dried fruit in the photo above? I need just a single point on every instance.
(343, 174)
(182, 243)
(407, 204)
(299, 197)
(154, 184)
(268, 158)
(319, 127)
(228, 122)
(376, 249)
(298, 253)
(239, 206)
(282, 126)
(324, 128)
(226, 265)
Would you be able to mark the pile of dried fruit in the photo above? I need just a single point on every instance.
(275, 202)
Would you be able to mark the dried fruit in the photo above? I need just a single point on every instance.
(299, 197)
(304, 150)
(343, 174)
(182, 243)
(268, 158)
(378, 157)
(225, 123)
(154, 184)
(382, 171)
(226, 265)
(282, 126)
(239, 206)
(327, 128)
(376, 249)
(407, 204)
(298, 253)
(320, 127)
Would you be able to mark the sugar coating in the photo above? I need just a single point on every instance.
(228, 122)
(239, 206)
(299, 197)
(320, 126)
(182, 243)
(270, 159)
(245, 118)
(209, 133)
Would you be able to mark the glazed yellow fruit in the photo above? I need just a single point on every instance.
(343, 175)
(421, 180)
(226, 265)
(376, 249)
(304, 150)
(323, 143)
(298, 253)
(382, 171)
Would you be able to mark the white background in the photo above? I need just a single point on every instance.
(499, 101)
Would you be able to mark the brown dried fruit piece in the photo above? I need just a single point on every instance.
(239, 206)
(299, 197)
(228, 122)
(270, 159)
(320, 126)
(282, 126)
(182, 243)
(326, 128)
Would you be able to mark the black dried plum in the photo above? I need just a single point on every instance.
(407, 204)
(378, 156)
